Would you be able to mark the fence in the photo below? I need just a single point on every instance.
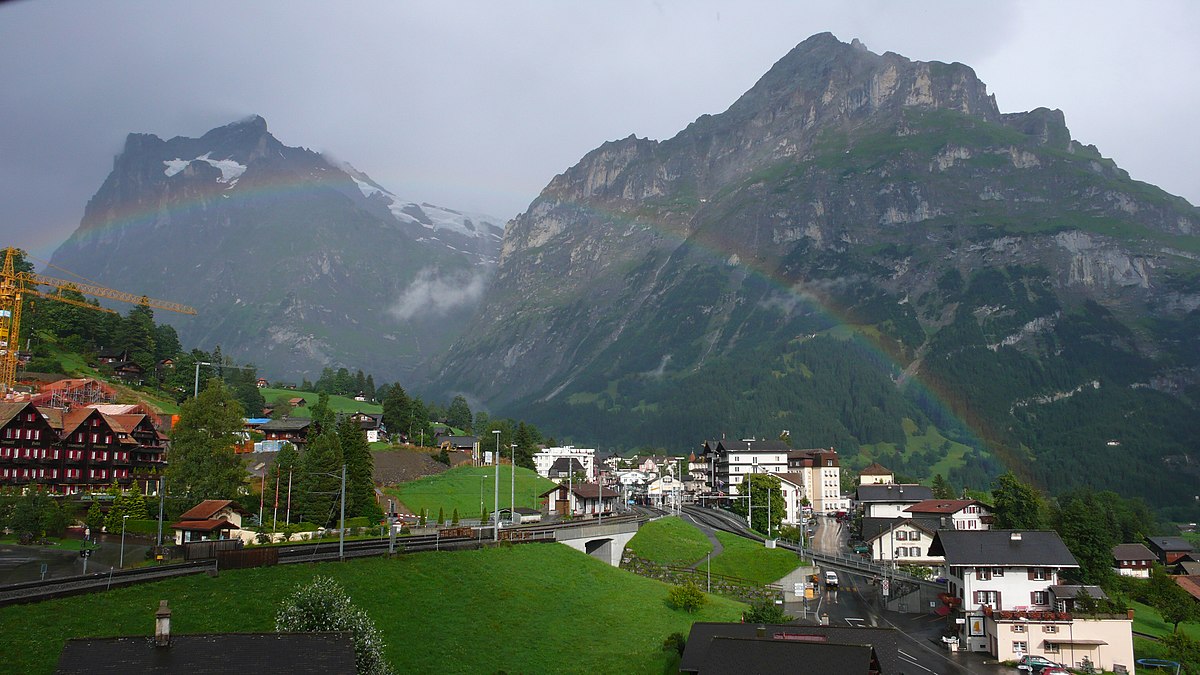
(206, 550)
(236, 559)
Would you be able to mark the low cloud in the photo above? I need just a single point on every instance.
(432, 293)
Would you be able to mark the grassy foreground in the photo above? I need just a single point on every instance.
(670, 541)
(461, 488)
(752, 560)
(531, 608)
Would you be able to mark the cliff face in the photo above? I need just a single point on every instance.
(293, 261)
(846, 192)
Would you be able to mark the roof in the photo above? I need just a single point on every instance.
(259, 653)
(207, 508)
(1038, 548)
(873, 528)
(565, 465)
(1191, 569)
(287, 424)
(875, 469)
(1172, 544)
(796, 479)
(942, 506)
(10, 410)
(1132, 552)
(1074, 591)
(204, 525)
(1191, 584)
(893, 493)
(738, 655)
(884, 640)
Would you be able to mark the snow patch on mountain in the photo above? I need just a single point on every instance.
(434, 217)
(230, 170)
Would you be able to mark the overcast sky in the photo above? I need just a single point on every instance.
(477, 105)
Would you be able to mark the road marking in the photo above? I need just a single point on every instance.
(913, 659)
(852, 619)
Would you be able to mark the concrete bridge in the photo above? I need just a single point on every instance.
(606, 542)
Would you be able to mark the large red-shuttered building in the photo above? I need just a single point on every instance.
(80, 450)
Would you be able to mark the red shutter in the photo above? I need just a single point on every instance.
(1031, 575)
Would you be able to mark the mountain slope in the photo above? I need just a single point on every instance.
(293, 261)
(859, 239)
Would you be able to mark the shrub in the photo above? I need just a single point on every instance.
(687, 596)
(323, 605)
(766, 611)
(675, 642)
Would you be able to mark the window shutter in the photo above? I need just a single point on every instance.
(978, 597)
(1032, 576)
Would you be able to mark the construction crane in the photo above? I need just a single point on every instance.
(14, 286)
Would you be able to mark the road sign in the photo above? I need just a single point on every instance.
(886, 584)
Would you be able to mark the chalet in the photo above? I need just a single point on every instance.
(297, 402)
(875, 474)
(30, 454)
(93, 454)
(1007, 583)
(956, 514)
(145, 445)
(580, 499)
(780, 648)
(292, 430)
(1169, 550)
(112, 355)
(371, 425)
(890, 500)
(210, 519)
(300, 653)
(460, 444)
(905, 541)
(1132, 560)
(129, 371)
(262, 383)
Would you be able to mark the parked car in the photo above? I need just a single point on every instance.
(831, 579)
(1035, 664)
(1056, 670)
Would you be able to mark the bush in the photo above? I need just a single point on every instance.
(687, 596)
(675, 642)
(323, 605)
(766, 611)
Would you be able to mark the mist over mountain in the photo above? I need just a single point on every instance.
(865, 252)
(294, 261)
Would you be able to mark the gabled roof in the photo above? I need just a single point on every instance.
(9, 410)
(1172, 544)
(566, 465)
(874, 528)
(1191, 584)
(1132, 552)
(796, 479)
(207, 508)
(54, 417)
(943, 506)
(875, 469)
(1000, 548)
(73, 418)
(893, 493)
(739, 655)
(289, 424)
(204, 525)
(884, 640)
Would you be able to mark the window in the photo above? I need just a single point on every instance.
(987, 597)
(1038, 574)
(1049, 628)
(1039, 598)
(1020, 647)
(997, 571)
(1018, 628)
(900, 552)
(983, 574)
(901, 535)
(914, 536)
(1051, 647)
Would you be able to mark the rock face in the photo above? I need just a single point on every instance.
(292, 261)
(858, 207)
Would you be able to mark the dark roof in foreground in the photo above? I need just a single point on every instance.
(884, 640)
(215, 654)
(1037, 548)
(893, 493)
(737, 655)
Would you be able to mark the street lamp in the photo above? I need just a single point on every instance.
(496, 494)
(121, 564)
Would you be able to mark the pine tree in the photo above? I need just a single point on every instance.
(441, 516)
(203, 464)
(454, 517)
(360, 486)
(94, 519)
(321, 482)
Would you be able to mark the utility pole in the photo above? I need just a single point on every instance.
(496, 492)
(161, 497)
(512, 494)
(342, 524)
(391, 528)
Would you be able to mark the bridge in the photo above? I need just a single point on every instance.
(605, 541)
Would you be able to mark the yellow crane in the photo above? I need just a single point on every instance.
(14, 286)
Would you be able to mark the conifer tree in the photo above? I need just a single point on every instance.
(203, 464)
(321, 483)
(360, 486)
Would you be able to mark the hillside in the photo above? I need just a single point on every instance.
(433, 611)
(858, 240)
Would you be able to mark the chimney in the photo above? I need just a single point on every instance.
(1015, 536)
(162, 625)
(761, 631)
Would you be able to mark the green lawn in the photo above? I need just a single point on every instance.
(752, 560)
(1147, 620)
(534, 608)
(670, 541)
(336, 403)
(460, 488)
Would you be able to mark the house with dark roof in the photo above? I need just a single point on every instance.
(780, 648)
(889, 500)
(208, 520)
(875, 474)
(564, 467)
(905, 541)
(1169, 550)
(1008, 583)
(315, 653)
(294, 430)
(1133, 560)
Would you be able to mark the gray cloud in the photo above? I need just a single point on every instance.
(476, 105)
(433, 293)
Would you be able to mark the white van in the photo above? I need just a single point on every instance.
(831, 579)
